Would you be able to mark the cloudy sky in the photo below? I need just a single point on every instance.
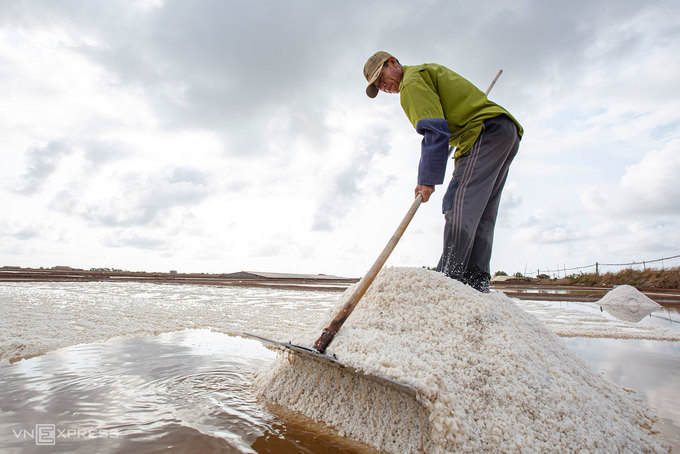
(217, 136)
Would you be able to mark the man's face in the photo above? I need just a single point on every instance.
(390, 77)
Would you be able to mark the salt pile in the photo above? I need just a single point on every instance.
(489, 377)
(628, 303)
(626, 295)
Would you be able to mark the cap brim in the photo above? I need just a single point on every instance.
(371, 91)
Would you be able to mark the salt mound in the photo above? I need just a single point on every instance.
(490, 377)
(626, 295)
(628, 303)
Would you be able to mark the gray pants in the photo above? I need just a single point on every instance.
(471, 201)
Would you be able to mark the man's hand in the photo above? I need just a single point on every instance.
(425, 190)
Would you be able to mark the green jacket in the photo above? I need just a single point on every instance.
(431, 91)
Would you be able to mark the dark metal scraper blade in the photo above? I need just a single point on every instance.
(310, 353)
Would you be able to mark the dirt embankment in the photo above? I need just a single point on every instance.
(523, 288)
(641, 279)
(72, 275)
(648, 279)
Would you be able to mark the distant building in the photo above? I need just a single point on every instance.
(65, 268)
(510, 279)
(263, 275)
(173, 271)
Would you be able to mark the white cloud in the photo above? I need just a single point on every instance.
(147, 199)
(542, 229)
(134, 240)
(222, 136)
(511, 200)
(349, 182)
(647, 188)
(42, 163)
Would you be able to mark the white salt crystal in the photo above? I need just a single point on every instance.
(626, 295)
(628, 303)
(490, 377)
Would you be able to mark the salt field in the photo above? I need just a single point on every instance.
(134, 367)
(188, 391)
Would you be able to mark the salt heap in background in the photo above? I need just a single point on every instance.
(628, 303)
(627, 295)
(489, 377)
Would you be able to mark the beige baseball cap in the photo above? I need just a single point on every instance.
(372, 70)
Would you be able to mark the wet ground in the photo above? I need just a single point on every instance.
(651, 368)
(191, 390)
(188, 391)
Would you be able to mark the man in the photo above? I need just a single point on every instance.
(449, 110)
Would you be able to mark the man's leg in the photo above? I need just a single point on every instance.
(463, 207)
(472, 186)
(478, 271)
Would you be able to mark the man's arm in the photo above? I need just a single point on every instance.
(423, 108)
(434, 150)
(433, 155)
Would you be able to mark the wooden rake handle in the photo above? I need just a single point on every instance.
(331, 330)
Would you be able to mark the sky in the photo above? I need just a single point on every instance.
(219, 136)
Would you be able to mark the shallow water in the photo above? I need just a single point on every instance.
(36, 317)
(578, 319)
(188, 391)
(191, 390)
(652, 368)
(667, 317)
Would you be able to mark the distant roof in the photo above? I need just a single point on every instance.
(265, 275)
(509, 279)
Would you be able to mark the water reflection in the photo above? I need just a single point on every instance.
(548, 291)
(632, 314)
(189, 391)
(652, 368)
(574, 318)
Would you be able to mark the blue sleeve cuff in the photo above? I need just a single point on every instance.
(434, 150)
